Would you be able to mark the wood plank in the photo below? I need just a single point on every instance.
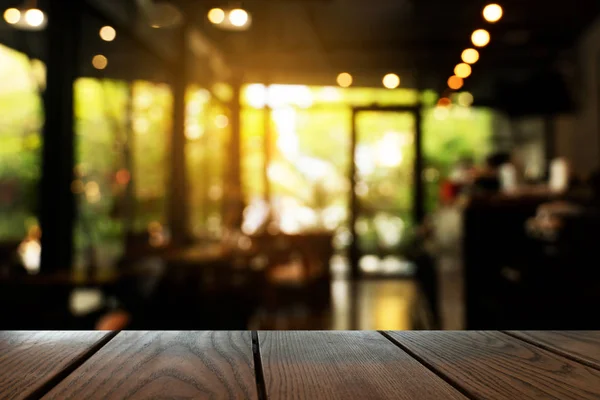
(31, 360)
(199, 365)
(583, 346)
(344, 365)
(492, 365)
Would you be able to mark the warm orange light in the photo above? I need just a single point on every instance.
(216, 16)
(462, 70)
(108, 33)
(344, 79)
(391, 81)
(455, 82)
(123, 176)
(470, 56)
(99, 61)
(492, 13)
(480, 38)
(444, 102)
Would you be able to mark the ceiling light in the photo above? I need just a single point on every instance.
(462, 70)
(480, 38)
(238, 17)
(344, 79)
(216, 16)
(391, 81)
(12, 16)
(465, 99)
(108, 33)
(470, 56)
(455, 82)
(99, 61)
(492, 13)
(34, 17)
(444, 102)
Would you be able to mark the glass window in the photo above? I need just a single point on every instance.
(152, 124)
(21, 85)
(207, 131)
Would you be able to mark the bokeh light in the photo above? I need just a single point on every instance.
(34, 17)
(444, 102)
(216, 16)
(465, 99)
(492, 13)
(108, 33)
(344, 79)
(99, 61)
(238, 17)
(455, 82)
(480, 38)
(391, 81)
(470, 56)
(12, 16)
(462, 70)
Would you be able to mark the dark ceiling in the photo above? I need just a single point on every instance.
(421, 40)
(311, 41)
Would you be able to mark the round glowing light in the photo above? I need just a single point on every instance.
(465, 99)
(444, 102)
(12, 16)
(34, 17)
(462, 70)
(108, 33)
(470, 56)
(99, 61)
(391, 81)
(492, 13)
(221, 121)
(480, 38)
(344, 79)
(238, 17)
(216, 16)
(455, 82)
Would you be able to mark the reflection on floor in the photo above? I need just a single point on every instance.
(371, 265)
(378, 305)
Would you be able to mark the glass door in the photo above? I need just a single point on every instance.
(385, 194)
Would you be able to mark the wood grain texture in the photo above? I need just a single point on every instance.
(344, 365)
(30, 360)
(492, 365)
(583, 346)
(141, 365)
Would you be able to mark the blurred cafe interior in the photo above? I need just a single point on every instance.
(299, 164)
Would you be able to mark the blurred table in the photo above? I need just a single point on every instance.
(311, 365)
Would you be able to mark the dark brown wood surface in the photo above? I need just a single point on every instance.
(344, 365)
(29, 361)
(582, 346)
(300, 365)
(493, 365)
(198, 365)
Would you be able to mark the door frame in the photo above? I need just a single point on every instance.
(419, 192)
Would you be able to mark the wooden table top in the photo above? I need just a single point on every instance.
(300, 365)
